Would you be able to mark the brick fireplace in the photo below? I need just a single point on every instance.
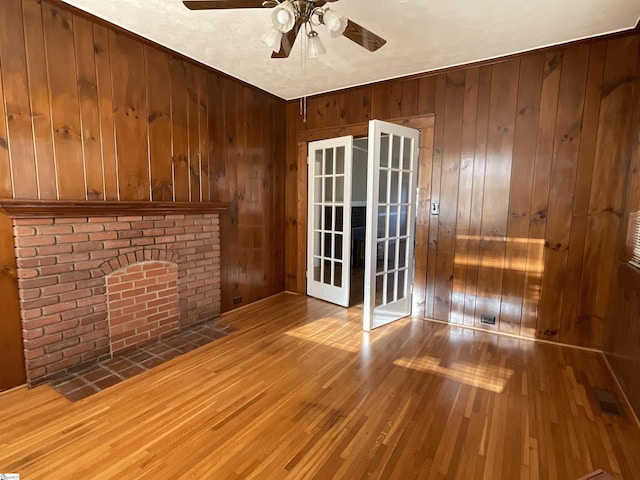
(91, 286)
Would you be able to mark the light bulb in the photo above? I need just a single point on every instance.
(272, 38)
(335, 22)
(283, 16)
(314, 45)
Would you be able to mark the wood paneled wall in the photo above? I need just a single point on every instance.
(91, 113)
(623, 336)
(529, 165)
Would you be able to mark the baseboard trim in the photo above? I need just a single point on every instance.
(510, 335)
(621, 390)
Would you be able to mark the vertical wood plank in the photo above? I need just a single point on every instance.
(438, 134)
(229, 230)
(16, 100)
(179, 129)
(465, 191)
(6, 190)
(422, 222)
(426, 95)
(540, 192)
(159, 121)
(39, 97)
(584, 177)
(607, 188)
(477, 193)
(242, 159)
(502, 111)
(403, 101)
(65, 106)
(130, 117)
(89, 109)
(524, 149)
(291, 195)
(449, 182)
(203, 134)
(217, 141)
(380, 101)
(561, 188)
(102, 51)
(195, 195)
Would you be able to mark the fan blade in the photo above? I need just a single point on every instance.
(221, 4)
(362, 36)
(288, 39)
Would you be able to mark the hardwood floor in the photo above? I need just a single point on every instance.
(299, 391)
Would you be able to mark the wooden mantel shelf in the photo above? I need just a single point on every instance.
(78, 208)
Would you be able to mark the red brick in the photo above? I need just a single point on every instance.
(116, 226)
(119, 287)
(56, 269)
(73, 257)
(31, 334)
(77, 313)
(73, 276)
(101, 236)
(59, 307)
(54, 229)
(78, 349)
(34, 353)
(62, 345)
(88, 246)
(63, 364)
(34, 241)
(33, 221)
(117, 243)
(88, 228)
(73, 238)
(37, 282)
(40, 321)
(57, 289)
(55, 250)
(143, 225)
(38, 303)
(44, 340)
(60, 327)
(44, 360)
(23, 231)
(63, 220)
(26, 252)
(75, 295)
(101, 219)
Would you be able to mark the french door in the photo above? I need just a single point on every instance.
(390, 226)
(391, 200)
(329, 220)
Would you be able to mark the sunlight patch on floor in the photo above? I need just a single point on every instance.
(487, 377)
(337, 333)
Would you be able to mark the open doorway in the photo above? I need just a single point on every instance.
(358, 218)
(333, 238)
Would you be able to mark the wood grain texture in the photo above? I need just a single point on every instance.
(296, 391)
(528, 151)
(12, 370)
(93, 113)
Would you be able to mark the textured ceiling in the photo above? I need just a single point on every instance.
(421, 36)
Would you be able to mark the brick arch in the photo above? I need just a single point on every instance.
(142, 255)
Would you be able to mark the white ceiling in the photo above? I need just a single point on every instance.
(421, 36)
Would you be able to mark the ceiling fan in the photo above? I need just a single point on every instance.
(289, 16)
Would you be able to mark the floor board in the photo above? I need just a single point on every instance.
(297, 390)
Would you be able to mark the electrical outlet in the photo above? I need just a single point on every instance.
(237, 300)
(488, 319)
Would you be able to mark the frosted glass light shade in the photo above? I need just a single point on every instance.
(272, 38)
(283, 16)
(314, 45)
(335, 22)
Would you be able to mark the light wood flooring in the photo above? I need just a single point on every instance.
(299, 391)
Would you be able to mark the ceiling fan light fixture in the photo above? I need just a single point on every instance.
(315, 48)
(335, 22)
(283, 16)
(272, 38)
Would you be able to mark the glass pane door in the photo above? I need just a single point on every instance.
(329, 220)
(392, 177)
